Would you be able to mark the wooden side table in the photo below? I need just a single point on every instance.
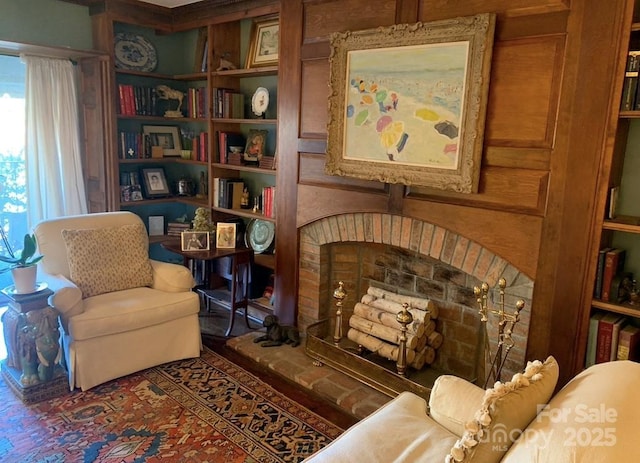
(240, 276)
(31, 336)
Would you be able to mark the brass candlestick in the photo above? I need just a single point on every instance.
(506, 324)
(404, 318)
(339, 294)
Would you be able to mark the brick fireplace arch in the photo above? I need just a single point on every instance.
(425, 260)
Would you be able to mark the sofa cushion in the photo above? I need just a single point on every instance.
(398, 432)
(506, 410)
(103, 260)
(129, 310)
(592, 419)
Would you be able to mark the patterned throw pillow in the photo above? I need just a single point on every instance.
(103, 260)
(506, 410)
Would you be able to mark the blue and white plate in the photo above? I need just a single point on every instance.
(260, 235)
(134, 53)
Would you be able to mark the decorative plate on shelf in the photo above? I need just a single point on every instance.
(260, 235)
(260, 101)
(134, 53)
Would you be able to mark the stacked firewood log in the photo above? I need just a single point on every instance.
(373, 326)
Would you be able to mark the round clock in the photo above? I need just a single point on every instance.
(260, 101)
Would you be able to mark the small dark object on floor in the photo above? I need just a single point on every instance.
(278, 334)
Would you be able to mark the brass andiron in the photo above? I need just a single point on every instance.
(339, 294)
(506, 323)
(404, 318)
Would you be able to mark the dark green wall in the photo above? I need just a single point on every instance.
(46, 22)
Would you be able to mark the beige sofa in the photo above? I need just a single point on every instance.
(120, 312)
(591, 419)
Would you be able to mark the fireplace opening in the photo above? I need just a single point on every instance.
(402, 256)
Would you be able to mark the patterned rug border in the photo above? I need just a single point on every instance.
(252, 384)
(202, 410)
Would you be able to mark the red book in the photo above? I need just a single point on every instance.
(204, 147)
(613, 264)
(605, 335)
(628, 343)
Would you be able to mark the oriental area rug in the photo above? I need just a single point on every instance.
(198, 410)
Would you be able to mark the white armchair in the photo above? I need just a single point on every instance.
(120, 311)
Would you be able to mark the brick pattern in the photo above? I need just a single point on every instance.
(418, 258)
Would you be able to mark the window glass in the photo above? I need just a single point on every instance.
(13, 199)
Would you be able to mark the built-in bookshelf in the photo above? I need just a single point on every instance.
(615, 305)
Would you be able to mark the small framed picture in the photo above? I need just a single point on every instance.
(195, 241)
(155, 183)
(165, 136)
(225, 235)
(256, 141)
(263, 48)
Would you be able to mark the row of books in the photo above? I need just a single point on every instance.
(268, 203)
(630, 98)
(227, 103)
(612, 337)
(196, 102)
(139, 100)
(229, 143)
(609, 274)
(136, 145)
(228, 193)
(200, 147)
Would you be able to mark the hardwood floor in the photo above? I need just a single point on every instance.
(304, 397)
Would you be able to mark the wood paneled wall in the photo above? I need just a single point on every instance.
(541, 153)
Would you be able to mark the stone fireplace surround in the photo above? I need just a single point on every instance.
(417, 258)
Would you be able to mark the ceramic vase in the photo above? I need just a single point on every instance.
(24, 279)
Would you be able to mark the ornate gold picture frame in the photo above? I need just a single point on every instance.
(408, 102)
(263, 48)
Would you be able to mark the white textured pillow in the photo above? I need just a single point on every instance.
(506, 411)
(103, 260)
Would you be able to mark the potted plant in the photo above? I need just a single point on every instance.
(22, 264)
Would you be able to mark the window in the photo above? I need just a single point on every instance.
(13, 197)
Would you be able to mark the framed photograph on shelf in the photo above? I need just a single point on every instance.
(408, 102)
(165, 136)
(263, 48)
(254, 150)
(225, 235)
(155, 183)
(195, 241)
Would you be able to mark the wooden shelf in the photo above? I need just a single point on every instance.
(244, 213)
(252, 72)
(225, 120)
(623, 223)
(162, 118)
(170, 199)
(153, 75)
(256, 170)
(622, 309)
(265, 260)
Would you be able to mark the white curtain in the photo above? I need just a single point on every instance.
(55, 184)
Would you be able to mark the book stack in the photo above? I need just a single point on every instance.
(176, 228)
(630, 101)
(267, 162)
(612, 337)
(268, 196)
(227, 192)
